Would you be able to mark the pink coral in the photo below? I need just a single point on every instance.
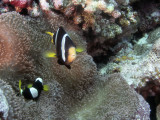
(44, 5)
(77, 19)
(116, 13)
(19, 3)
(69, 11)
(58, 4)
(6, 1)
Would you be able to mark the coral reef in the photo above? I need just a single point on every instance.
(70, 90)
(148, 14)
(26, 7)
(90, 12)
(109, 22)
(19, 4)
(105, 22)
(138, 63)
(113, 30)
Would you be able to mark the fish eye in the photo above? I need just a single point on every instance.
(39, 79)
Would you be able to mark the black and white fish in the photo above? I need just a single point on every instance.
(33, 91)
(65, 48)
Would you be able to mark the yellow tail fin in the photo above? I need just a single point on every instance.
(50, 54)
(45, 87)
(20, 83)
(51, 34)
(79, 49)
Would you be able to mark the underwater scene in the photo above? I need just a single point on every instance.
(79, 59)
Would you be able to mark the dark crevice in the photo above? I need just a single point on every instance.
(24, 12)
(151, 101)
(151, 93)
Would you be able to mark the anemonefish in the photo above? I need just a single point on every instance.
(65, 48)
(33, 91)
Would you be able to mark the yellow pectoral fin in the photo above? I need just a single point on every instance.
(50, 54)
(45, 87)
(29, 85)
(79, 49)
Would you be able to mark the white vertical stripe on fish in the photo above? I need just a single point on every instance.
(56, 37)
(40, 80)
(63, 46)
(34, 92)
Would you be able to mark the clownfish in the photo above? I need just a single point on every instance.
(33, 91)
(65, 48)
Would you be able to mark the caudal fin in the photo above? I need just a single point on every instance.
(79, 49)
(45, 87)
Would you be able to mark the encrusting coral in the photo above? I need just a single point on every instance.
(69, 90)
